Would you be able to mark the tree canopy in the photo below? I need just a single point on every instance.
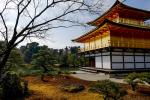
(31, 18)
(15, 58)
(43, 59)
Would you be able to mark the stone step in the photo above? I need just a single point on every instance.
(88, 70)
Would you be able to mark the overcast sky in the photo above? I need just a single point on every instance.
(60, 38)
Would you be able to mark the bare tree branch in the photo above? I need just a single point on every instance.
(31, 20)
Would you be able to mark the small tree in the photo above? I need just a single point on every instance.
(43, 59)
(130, 79)
(29, 50)
(145, 77)
(109, 90)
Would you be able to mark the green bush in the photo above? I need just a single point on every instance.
(109, 90)
(13, 87)
(66, 72)
(73, 72)
(0, 92)
(73, 88)
(145, 76)
(134, 78)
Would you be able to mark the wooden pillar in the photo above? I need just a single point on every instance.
(94, 43)
(89, 54)
(144, 59)
(94, 52)
(84, 56)
(110, 50)
(123, 58)
(134, 58)
(101, 52)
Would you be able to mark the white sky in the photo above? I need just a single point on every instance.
(60, 38)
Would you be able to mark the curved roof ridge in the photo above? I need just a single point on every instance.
(111, 22)
(117, 2)
(115, 5)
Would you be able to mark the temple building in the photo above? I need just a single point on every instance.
(120, 42)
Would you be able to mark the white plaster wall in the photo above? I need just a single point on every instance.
(129, 65)
(98, 62)
(106, 62)
(147, 58)
(128, 59)
(139, 58)
(117, 58)
(147, 65)
(139, 65)
(117, 65)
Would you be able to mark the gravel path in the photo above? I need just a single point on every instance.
(94, 76)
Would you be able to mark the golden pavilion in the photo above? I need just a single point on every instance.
(120, 42)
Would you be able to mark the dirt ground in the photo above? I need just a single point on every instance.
(50, 90)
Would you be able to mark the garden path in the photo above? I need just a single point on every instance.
(95, 76)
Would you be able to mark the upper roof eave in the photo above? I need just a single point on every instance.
(112, 23)
(114, 5)
(76, 40)
(91, 22)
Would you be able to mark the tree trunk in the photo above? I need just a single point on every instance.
(44, 73)
(4, 61)
(45, 69)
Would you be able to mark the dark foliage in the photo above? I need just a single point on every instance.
(72, 88)
(108, 89)
(63, 57)
(134, 78)
(13, 87)
(29, 50)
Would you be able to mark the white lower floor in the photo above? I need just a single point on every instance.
(107, 64)
(120, 60)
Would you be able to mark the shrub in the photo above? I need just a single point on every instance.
(73, 88)
(133, 79)
(74, 73)
(0, 92)
(12, 86)
(66, 72)
(108, 89)
(145, 76)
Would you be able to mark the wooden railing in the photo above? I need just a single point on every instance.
(118, 44)
(104, 44)
(132, 22)
(130, 44)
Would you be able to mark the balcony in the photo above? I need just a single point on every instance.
(132, 22)
(123, 44)
(103, 45)
(130, 44)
